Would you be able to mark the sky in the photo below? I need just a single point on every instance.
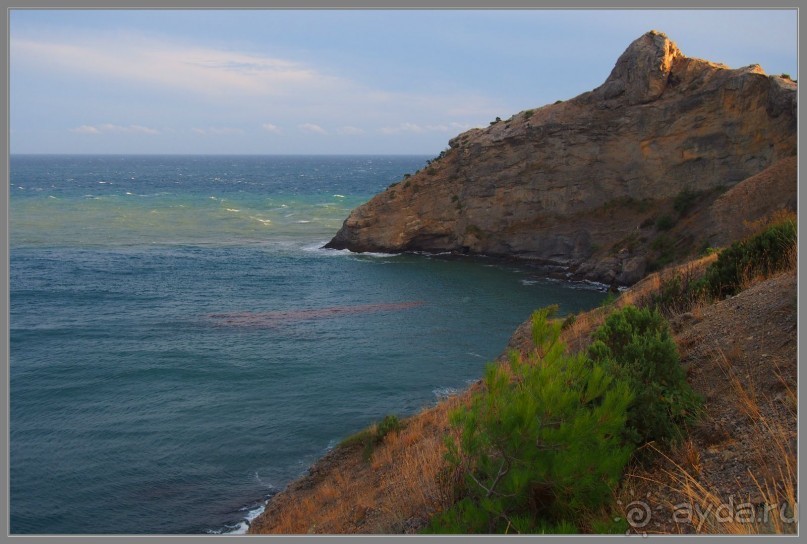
(330, 81)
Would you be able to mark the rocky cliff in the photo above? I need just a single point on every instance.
(565, 183)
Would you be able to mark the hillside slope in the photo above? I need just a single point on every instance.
(740, 354)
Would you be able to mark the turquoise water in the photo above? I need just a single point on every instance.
(181, 347)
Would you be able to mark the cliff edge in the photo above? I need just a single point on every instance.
(564, 183)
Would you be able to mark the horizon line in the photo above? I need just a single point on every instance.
(218, 154)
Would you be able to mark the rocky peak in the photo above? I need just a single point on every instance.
(641, 72)
(573, 183)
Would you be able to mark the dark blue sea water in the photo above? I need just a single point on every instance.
(181, 347)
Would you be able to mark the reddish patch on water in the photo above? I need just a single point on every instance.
(272, 319)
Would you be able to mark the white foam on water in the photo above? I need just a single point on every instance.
(339, 196)
(243, 526)
(376, 255)
(303, 221)
(250, 513)
(232, 210)
(445, 392)
(317, 248)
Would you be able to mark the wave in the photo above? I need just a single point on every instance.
(445, 392)
(241, 528)
(319, 248)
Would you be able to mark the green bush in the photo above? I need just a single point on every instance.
(389, 424)
(685, 200)
(541, 447)
(764, 254)
(675, 295)
(635, 345)
(665, 222)
(372, 436)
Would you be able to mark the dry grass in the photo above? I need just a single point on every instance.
(774, 218)
(411, 462)
(576, 335)
(402, 481)
(746, 396)
(696, 504)
(770, 511)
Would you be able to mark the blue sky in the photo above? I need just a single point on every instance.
(281, 81)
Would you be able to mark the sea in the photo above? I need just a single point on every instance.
(182, 347)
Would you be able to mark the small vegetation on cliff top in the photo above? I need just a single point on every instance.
(769, 251)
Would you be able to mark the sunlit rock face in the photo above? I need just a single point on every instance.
(540, 184)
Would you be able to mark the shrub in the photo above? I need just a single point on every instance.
(665, 252)
(675, 294)
(541, 446)
(685, 200)
(476, 231)
(374, 435)
(389, 424)
(635, 345)
(665, 222)
(528, 114)
(764, 254)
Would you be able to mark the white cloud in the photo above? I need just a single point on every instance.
(109, 128)
(269, 127)
(200, 86)
(218, 131)
(85, 129)
(197, 69)
(312, 128)
(452, 127)
(349, 131)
